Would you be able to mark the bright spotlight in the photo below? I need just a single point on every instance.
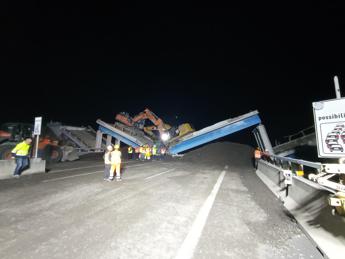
(165, 136)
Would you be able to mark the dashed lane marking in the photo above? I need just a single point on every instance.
(165, 172)
(186, 251)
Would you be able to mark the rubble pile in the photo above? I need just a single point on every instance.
(222, 153)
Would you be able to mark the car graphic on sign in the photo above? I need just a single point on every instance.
(332, 135)
(336, 147)
(332, 142)
(331, 138)
(338, 132)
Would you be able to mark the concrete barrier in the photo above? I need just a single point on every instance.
(37, 165)
(307, 202)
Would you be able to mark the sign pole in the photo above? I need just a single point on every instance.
(37, 133)
(36, 145)
(337, 88)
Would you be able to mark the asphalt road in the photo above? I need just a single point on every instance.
(161, 209)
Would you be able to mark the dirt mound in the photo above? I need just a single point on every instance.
(233, 154)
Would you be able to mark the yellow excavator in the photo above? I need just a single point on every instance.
(166, 131)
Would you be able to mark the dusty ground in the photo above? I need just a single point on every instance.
(208, 204)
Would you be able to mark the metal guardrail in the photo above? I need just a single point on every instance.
(302, 179)
(307, 201)
(299, 134)
(281, 163)
(316, 165)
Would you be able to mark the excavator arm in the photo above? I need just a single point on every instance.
(124, 118)
(139, 119)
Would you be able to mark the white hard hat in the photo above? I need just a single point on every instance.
(110, 147)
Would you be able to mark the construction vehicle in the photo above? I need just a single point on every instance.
(12, 133)
(166, 132)
(139, 121)
(57, 142)
(82, 140)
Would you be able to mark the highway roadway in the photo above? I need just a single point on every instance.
(161, 209)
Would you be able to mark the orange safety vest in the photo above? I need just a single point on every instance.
(257, 154)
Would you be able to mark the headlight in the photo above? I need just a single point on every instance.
(165, 136)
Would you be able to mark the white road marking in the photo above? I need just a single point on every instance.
(138, 165)
(167, 171)
(77, 168)
(186, 251)
(76, 175)
(71, 176)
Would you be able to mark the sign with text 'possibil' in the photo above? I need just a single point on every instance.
(329, 118)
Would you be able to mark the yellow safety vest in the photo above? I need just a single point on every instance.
(22, 149)
(116, 157)
(154, 151)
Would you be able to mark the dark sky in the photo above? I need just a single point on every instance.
(200, 63)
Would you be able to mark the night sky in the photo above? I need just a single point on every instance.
(76, 63)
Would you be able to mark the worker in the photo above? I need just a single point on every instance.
(136, 153)
(147, 152)
(163, 152)
(257, 157)
(107, 163)
(154, 152)
(142, 153)
(115, 163)
(130, 152)
(21, 154)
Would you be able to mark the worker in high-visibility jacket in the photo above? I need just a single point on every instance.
(115, 163)
(147, 153)
(130, 152)
(142, 153)
(107, 163)
(154, 152)
(21, 154)
(257, 157)
(136, 153)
